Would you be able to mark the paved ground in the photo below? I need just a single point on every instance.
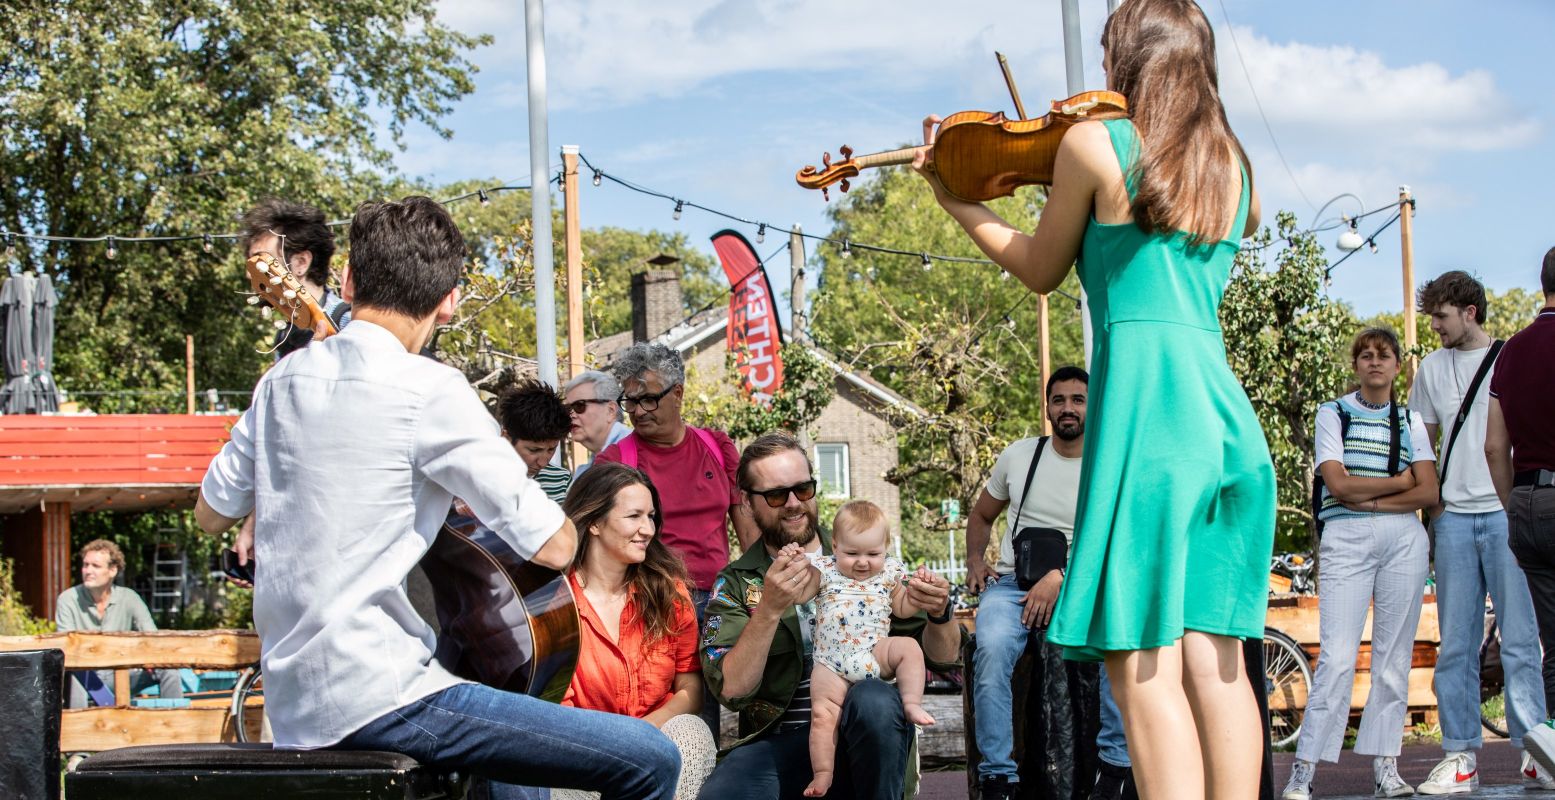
(1350, 779)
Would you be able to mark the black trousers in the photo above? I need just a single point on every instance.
(873, 739)
(1531, 534)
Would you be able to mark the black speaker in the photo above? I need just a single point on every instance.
(30, 685)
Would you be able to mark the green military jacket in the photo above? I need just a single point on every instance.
(735, 594)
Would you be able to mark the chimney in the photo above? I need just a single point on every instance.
(656, 304)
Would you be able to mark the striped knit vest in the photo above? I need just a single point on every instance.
(1366, 445)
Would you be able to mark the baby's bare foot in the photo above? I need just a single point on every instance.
(818, 785)
(916, 715)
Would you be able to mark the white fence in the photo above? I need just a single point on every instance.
(952, 569)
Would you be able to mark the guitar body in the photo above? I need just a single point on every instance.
(506, 623)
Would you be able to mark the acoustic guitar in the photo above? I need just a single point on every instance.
(278, 288)
(507, 623)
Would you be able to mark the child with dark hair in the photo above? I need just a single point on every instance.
(535, 421)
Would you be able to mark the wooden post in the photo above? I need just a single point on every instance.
(189, 373)
(1045, 343)
(1406, 227)
(797, 318)
(38, 541)
(573, 238)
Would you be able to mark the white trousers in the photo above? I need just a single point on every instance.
(1378, 563)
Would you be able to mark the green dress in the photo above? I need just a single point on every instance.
(1175, 521)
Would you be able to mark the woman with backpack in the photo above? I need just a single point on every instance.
(1376, 470)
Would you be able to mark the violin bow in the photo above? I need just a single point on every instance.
(1009, 80)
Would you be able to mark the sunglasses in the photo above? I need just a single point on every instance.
(777, 497)
(646, 402)
(580, 406)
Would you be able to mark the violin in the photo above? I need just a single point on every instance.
(980, 155)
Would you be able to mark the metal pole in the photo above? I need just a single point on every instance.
(1074, 72)
(540, 195)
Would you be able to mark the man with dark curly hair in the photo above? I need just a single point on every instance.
(535, 421)
(299, 236)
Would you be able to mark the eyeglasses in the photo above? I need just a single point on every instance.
(580, 406)
(646, 402)
(777, 497)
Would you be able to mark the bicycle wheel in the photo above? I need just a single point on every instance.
(1492, 681)
(247, 699)
(1287, 682)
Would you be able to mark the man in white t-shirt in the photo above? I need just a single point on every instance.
(1006, 614)
(1472, 556)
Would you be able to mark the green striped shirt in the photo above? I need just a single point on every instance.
(554, 481)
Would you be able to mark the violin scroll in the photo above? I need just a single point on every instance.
(829, 173)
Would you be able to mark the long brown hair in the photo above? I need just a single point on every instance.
(589, 502)
(1161, 56)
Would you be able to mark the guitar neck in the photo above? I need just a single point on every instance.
(890, 157)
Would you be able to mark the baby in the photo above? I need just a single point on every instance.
(860, 589)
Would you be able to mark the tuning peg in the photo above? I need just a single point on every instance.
(846, 151)
(265, 312)
(253, 300)
(280, 324)
(275, 280)
(289, 294)
(826, 160)
(825, 193)
(843, 184)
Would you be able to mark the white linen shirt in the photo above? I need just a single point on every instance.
(350, 456)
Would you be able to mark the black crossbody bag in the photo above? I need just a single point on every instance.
(1038, 551)
(1463, 412)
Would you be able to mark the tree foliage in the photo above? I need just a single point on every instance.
(157, 118)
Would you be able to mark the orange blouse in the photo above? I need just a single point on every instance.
(629, 676)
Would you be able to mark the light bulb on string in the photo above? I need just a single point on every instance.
(598, 176)
(561, 182)
(207, 244)
(113, 252)
(761, 233)
(481, 194)
(927, 263)
(680, 205)
(847, 249)
(1372, 244)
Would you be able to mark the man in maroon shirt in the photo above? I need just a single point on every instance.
(1520, 447)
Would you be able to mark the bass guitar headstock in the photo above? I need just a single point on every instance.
(276, 286)
(829, 173)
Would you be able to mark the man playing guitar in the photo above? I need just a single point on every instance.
(349, 457)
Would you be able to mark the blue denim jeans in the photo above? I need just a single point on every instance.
(1472, 557)
(1110, 744)
(1001, 639)
(513, 740)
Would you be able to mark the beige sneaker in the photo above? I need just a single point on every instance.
(1534, 776)
(1385, 770)
(1299, 787)
(1457, 773)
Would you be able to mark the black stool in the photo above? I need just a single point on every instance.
(245, 771)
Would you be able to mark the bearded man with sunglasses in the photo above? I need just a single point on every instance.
(756, 652)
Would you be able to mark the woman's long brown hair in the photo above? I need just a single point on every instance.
(589, 502)
(1161, 56)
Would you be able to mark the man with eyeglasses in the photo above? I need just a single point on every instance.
(756, 649)
(593, 400)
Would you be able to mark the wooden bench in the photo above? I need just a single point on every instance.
(89, 730)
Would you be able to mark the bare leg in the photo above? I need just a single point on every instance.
(1158, 722)
(827, 691)
(1226, 714)
(901, 657)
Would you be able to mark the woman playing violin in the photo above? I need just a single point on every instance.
(1176, 513)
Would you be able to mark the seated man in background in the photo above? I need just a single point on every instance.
(535, 421)
(97, 605)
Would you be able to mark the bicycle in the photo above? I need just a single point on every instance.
(1287, 669)
(250, 685)
(1492, 680)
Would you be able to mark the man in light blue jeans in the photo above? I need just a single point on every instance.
(1472, 555)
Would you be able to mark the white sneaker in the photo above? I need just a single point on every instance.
(1389, 784)
(1539, 742)
(1534, 776)
(1299, 787)
(1456, 774)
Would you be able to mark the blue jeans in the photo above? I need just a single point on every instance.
(1472, 557)
(1001, 639)
(873, 740)
(513, 740)
(1110, 744)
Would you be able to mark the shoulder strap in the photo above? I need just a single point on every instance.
(1026, 489)
(628, 445)
(1395, 439)
(712, 444)
(1463, 408)
(339, 313)
(1125, 145)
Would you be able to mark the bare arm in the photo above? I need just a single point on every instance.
(1424, 493)
(1498, 452)
(558, 551)
(1347, 488)
(685, 698)
(209, 519)
(979, 529)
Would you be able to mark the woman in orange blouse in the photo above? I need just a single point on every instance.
(638, 650)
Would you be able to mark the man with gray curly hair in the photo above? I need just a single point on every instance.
(593, 400)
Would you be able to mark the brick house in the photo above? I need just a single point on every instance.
(854, 443)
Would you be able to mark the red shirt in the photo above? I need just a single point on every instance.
(630, 676)
(1524, 382)
(696, 495)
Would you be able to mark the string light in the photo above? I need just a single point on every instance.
(485, 200)
(680, 205)
(113, 252)
(847, 249)
(761, 231)
(598, 176)
(927, 264)
(207, 244)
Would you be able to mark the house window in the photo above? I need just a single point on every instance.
(831, 464)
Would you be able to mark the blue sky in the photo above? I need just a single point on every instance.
(720, 101)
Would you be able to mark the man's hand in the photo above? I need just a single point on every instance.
(784, 584)
(928, 592)
(244, 547)
(1040, 599)
(978, 574)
